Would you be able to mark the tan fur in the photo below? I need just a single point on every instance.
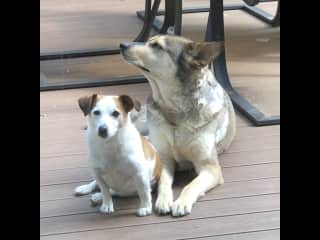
(190, 116)
(151, 154)
(120, 108)
(87, 103)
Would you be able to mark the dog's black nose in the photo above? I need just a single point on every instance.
(124, 46)
(103, 131)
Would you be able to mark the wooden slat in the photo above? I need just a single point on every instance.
(65, 191)
(62, 105)
(256, 235)
(244, 144)
(230, 174)
(72, 132)
(182, 229)
(125, 218)
(226, 159)
(76, 205)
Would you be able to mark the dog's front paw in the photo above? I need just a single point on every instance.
(106, 208)
(181, 207)
(96, 199)
(83, 190)
(145, 211)
(163, 204)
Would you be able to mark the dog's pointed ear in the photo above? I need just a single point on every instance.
(200, 54)
(87, 103)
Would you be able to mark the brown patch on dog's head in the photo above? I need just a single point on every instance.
(87, 103)
(124, 105)
(200, 54)
(128, 103)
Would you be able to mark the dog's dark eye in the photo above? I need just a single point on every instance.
(96, 112)
(115, 114)
(156, 45)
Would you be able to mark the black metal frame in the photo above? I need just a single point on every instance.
(173, 18)
(95, 83)
(150, 9)
(256, 12)
(215, 32)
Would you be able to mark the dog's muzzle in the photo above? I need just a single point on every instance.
(126, 45)
(103, 131)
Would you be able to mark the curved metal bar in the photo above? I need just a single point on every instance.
(258, 13)
(150, 14)
(215, 32)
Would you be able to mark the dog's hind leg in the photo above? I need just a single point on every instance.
(209, 176)
(86, 189)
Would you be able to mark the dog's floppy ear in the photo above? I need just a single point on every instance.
(87, 103)
(200, 54)
(126, 102)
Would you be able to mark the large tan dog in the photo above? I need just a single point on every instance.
(190, 116)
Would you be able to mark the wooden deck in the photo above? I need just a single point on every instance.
(246, 207)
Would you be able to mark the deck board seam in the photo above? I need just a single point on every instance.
(157, 223)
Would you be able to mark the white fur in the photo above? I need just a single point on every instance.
(118, 161)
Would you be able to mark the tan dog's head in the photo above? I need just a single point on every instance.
(107, 114)
(167, 56)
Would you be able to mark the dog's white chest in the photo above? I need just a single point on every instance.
(119, 181)
(119, 162)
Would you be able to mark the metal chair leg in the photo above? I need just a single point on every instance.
(215, 32)
(254, 11)
(178, 17)
(172, 17)
(169, 16)
(150, 14)
(142, 36)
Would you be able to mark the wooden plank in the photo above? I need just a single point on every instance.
(230, 174)
(244, 144)
(76, 205)
(183, 229)
(79, 159)
(126, 218)
(256, 235)
(73, 119)
(62, 105)
(72, 132)
(65, 191)
(226, 159)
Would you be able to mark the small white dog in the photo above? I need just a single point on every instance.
(124, 163)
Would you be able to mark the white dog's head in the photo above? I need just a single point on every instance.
(107, 114)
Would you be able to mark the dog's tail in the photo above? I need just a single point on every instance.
(139, 119)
